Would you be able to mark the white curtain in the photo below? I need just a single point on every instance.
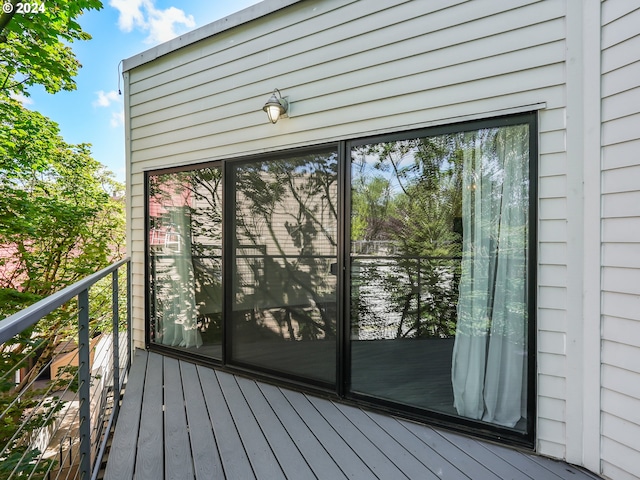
(489, 356)
(178, 326)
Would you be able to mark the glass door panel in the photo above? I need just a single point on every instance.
(439, 268)
(284, 255)
(185, 260)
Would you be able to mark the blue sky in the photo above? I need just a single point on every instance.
(94, 112)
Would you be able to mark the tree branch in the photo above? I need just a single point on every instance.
(5, 18)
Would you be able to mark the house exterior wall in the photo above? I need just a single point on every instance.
(621, 239)
(352, 68)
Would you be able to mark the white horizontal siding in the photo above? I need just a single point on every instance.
(621, 230)
(626, 309)
(617, 179)
(620, 80)
(356, 68)
(405, 51)
(552, 164)
(552, 278)
(550, 253)
(621, 239)
(553, 187)
(552, 230)
(621, 155)
(625, 204)
(621, 280)
(553, 208)
(625, 255)
(319, 80)
(400, 77)
(303, 43)
(621, 105)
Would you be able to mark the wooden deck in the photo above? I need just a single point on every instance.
(183, 421)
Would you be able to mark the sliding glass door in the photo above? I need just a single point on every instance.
(394, 270)
(439, 260)
(184, 225)
(283, 280)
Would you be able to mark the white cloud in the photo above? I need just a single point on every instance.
(143, 15)
(106, 98)
(21, 98)
(162, 24)
(117, 119)
(111, 99)
(130, 13)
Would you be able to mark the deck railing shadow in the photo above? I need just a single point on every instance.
(64, 363)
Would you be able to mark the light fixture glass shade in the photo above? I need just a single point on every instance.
(275, 106)
(274, 112)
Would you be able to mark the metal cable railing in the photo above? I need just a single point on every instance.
(64, 363)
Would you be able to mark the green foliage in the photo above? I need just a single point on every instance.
(35, 48)
(61, 218)
(406, 209)
(19, 419)
(59, 208)
(371, 199)
(12, 300)
(26, 461)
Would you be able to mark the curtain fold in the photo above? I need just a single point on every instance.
(489, 357)
(178, 326)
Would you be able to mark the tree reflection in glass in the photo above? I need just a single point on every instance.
(284, 291)
(439, 235)
(406, 238)
(185, 250)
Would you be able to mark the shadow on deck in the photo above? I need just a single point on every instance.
(183, 421)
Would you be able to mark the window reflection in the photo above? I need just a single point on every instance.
(438, 272)
(284, 296)
(185, 254)
(437, 291)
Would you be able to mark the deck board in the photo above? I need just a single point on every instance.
(468, 465)
(314, 453)
(262, 458)
(183, 421)
(284, 448)
(369, 452)
(178, 462)
(434, 461)
(490, 460)
(206, 460)
(122, 460)
(235, 461)
(338, 448)
(531, 465)
(393, 450)
(150, 452)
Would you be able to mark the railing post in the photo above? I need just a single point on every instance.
(129, 332)
(116, 338)
(84, 380)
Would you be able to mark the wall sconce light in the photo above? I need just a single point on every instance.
(276, 106)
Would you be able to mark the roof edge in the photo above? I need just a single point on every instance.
(206, 31)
